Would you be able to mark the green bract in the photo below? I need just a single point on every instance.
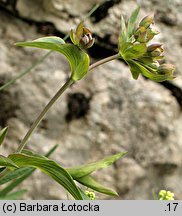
(79, 61)
(140, 57)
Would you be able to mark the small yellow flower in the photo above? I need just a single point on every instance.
(166, 195)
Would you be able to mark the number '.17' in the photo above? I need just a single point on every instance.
(172, 206)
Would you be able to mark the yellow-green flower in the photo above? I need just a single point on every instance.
(90, 194)
(166, 195)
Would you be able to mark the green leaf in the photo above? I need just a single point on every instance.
(14, 195)
(84, 170)
(7, 162)
(49, 167)
(149, 73)
(135, 51)
(17, 181)
(91, 183)
(49, 42)
(79, 61)
(19, 175)
(135, 71)
(123, 35)
(15, 174)
(3, 133)
(132, 20)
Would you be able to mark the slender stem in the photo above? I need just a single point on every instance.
(53, 100)
(42, 114)
(98, 63)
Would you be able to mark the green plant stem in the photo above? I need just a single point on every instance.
(103, 61)
(43, 113)
(54, 99)
(51, 102)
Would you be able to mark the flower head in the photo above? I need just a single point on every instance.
(166, 195)
(82, 37)
(141, 57)
(90, 194)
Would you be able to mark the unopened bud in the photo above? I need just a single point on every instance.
(140, 34)
(82, 37)
(165, 69)
(86, 40)
(144, 35)
(147, 21)
(155, 50)
(155, 46)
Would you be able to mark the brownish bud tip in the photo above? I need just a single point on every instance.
(147, 21)
(166, 69)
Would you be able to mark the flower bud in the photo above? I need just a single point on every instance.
(82, 37)
(140, 34)
(86, 40)
(165, 69)
(155, 50)
(147, 21)
(155, 46)
(144, 35)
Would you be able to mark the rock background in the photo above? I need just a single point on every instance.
(110, 112)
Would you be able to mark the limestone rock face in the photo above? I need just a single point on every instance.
(105, 113)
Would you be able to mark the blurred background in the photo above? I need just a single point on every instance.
(105, 113)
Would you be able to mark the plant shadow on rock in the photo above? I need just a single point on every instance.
(78, 106)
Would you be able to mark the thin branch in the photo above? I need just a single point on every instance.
(103, 61)
(43, 113)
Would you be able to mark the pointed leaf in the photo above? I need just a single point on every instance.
(80, 171)
(79, 30)
(134, 70)
(132, 20)
(79, 61)
(3, 133)
(123, 35)
(135, 51)
(14, 195)
(15, 174)
(148, 73)
(19, 175)
(7, 162)
(49, 167)
(88, 181)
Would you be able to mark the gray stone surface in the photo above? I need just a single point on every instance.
(139, 116)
